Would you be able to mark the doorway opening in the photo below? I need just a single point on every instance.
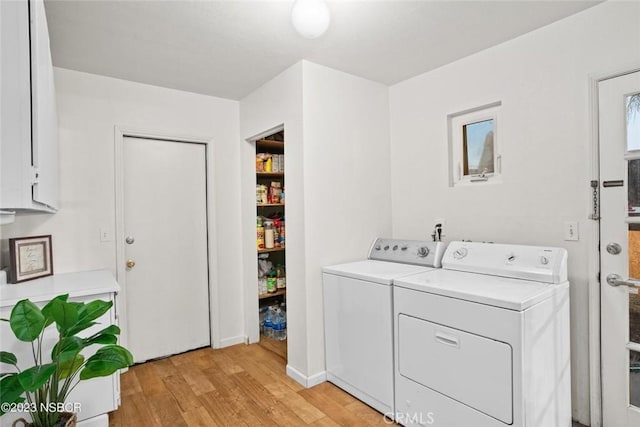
(271, 241)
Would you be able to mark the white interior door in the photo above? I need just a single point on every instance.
(619, 120)
(165, 229)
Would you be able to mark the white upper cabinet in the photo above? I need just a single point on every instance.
(28, 125)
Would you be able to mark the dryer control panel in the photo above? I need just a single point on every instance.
(537, 263)
(417, 252)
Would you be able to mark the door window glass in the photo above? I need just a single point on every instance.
(634, 187)
(634, 273)
(633, 122)
(634, 378)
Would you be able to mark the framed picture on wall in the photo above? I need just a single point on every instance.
(30, 258)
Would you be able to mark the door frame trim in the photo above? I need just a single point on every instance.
(595, 343)
(120, 133)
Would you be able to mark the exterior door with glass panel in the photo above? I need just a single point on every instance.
(619, 138)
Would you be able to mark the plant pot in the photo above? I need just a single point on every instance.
(67, 419)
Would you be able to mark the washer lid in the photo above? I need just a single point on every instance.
(374, 271)
(512, 294)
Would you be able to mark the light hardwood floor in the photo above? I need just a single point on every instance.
(243, 385)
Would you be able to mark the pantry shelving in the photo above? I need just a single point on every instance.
(270, 144)
(270, 174)
(266, 251)
(270, 235)
(281, 292)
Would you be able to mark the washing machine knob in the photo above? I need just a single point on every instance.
(423, 251)
(460, 253)
(544, 260)
(377, 248)
(386, 248)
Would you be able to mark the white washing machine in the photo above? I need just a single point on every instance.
(358, 317)
(484, 341)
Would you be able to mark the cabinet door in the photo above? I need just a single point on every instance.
(43, 103)
(15, 105)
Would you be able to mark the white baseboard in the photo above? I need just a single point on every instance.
(305, 381)
(228, 342)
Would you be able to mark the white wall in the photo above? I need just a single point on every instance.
(89, 107)
(346, 180)
(542, 79)
(337, 188)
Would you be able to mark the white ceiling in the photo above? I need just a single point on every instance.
(229, 48)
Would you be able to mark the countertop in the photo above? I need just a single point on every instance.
(75, 284)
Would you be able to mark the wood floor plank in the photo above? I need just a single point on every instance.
(196, 379)
(334, 393)
(137, 411)
(150, 382)
(165, 368)
(292, 400)
(225, 412)
(278, 347)
(199, 417)
(330, 407)
(182, 393)
(324, 422)
(223, 383)
(258, 398)
(166, 410)
(367, 415)
(129, 384)
(226, 363)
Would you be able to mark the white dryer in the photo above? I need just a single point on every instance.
(484, 341)
(358, 317)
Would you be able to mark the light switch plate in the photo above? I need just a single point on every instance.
(571, 232)
(105, 235)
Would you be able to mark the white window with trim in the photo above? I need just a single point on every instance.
(473, 146)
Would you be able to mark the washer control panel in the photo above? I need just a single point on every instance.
(418, 252)
(538, 263)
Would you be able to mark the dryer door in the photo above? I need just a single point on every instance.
(474, 370)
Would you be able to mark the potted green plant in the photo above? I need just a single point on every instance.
(42, 389)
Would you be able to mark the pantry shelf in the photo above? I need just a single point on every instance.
(264, 251)
(270, 174)
(273, 294)
(270, 144)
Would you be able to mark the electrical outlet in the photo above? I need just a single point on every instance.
(571, 230)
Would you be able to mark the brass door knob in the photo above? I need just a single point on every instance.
(131, 263)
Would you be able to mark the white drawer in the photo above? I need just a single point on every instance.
(474, 370)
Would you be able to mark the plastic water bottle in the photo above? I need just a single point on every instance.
(277, 324)
(283, 325)
(268, 323)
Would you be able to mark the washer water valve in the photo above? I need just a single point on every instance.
(437, 233)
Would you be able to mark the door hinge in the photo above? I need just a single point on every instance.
(35, 175)
(598, 276)
(596, 200)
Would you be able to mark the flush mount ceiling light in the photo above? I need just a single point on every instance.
(310, 18)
